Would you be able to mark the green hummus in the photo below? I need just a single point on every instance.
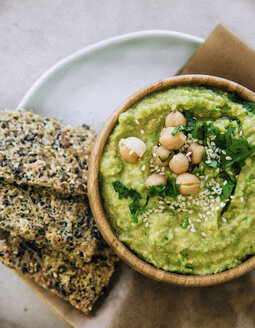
(210, 231)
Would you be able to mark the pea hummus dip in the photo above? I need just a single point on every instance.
(177, 179)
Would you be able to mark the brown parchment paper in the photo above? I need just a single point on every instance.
(136, 301)
(224, 54)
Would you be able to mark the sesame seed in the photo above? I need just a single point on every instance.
(142, 131)
(224, 220)
(228, 158)
(146, 224)
(189, 153)
(198, 220)
(203, 234)
(137, 122)
(143, 167)
(242, 199)
(131, 152)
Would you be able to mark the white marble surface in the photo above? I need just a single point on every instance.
(36, 34)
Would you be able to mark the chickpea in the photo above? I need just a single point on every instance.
(155, 180)
(189, 183)
(197, 152)
(179, 163)
(131, 149)
(172, 142)
(175, 118)
(162, 154)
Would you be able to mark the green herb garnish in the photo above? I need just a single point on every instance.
(226, 191)
(171, 190)
(214, 164)
(124, 192)
(228, 188)
(198, 170)
(185, 223)
(249, 105)
(178, 128)
(237, 150)
(164, 160)
(191, 123)
(249, 177)
(121, 189)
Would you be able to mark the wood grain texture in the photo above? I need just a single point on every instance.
(94, 191)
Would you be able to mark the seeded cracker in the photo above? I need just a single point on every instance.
(43, 152)
(51, 270)
(53, 220)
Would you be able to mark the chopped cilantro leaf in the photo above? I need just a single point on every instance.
(185, 223)
(226, 191)
(135, 208)
(178, 129)
(198, 170)
(249, 105)
(204, 157)
(171, 190)
(228, 188)
(191, 123)
(249, 177)
(164, 160)
(124, 192)
(121, 189)
(200, 131)
(214, 164)
(238, 150)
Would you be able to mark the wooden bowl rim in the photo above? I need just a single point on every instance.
(104, 225)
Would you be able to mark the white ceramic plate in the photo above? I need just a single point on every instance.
(85, 88)
(88, 85)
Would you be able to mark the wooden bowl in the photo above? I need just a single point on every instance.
(94, 191)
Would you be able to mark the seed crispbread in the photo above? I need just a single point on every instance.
(41, 151)
(56, 273)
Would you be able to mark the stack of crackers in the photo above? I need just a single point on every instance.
(46, 228)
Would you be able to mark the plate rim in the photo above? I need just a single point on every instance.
(96, 46)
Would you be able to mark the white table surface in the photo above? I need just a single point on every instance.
(36, 34)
